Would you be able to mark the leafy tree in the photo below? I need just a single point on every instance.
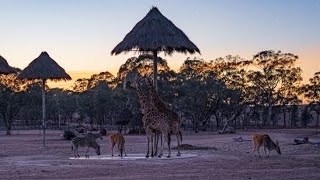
(103, 76)
(199, 92)
(11, 98)
(80, 85)
(10, 104)
(271, 72)
(232, 70)
(312, 93)
(143, 64)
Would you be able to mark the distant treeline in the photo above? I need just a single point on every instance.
(264, 91)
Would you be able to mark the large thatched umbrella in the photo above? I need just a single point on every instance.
(44, 68)
(153, 34)
(4, 67)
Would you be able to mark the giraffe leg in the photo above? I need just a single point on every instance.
(157, 134)
(164, 135)
(168, 143)
(152, 145)
(148, 142)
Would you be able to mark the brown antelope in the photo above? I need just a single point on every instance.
(265, 140)
(117, 138)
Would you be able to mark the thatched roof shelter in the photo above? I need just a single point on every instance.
(4, 67)
(44, 67)
(155, 33)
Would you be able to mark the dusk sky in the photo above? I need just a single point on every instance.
(80, 34)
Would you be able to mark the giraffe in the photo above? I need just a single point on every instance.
(152, 119)
(174, 119)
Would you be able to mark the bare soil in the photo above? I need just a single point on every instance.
(23, 157)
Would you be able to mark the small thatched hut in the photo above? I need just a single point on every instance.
(4, 67)
(44, 68)
(153, 34)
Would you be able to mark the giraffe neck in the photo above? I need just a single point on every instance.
(155, 99)
(144, 102)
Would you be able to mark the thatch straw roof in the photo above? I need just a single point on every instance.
(4, 67)
(43, 67)
(155, 33)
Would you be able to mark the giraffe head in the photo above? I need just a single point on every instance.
(149, 82)
(135, 83)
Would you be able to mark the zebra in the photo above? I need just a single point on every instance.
(84, 142)
(93, 136)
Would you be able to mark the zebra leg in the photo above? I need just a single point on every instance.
(76, 152)
(87, 152)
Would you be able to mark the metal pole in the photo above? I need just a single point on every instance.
(155, 70)
(44, 113)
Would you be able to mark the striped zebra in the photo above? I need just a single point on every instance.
(84, 142)
(93, 136)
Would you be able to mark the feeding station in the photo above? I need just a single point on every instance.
(153, 34)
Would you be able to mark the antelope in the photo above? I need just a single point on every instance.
(117, 138)
(265, 140)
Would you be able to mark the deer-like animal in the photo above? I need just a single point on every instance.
(118, 138)
(258, 140)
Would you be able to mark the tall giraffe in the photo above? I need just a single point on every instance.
(152, 119)
(174, 119)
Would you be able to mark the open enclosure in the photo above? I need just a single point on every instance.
(217, 157)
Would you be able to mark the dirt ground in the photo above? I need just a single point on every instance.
(23, 157)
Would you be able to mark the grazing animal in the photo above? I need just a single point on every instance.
(84, 142)
(265, 140)
(118, 138)
(93, 136)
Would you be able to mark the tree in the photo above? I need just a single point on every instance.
(232, 70)
(11, 98)
(95, 79)
(10, 104)
(312, 93)
(199, 92)
(272, 71)
(143, 64)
